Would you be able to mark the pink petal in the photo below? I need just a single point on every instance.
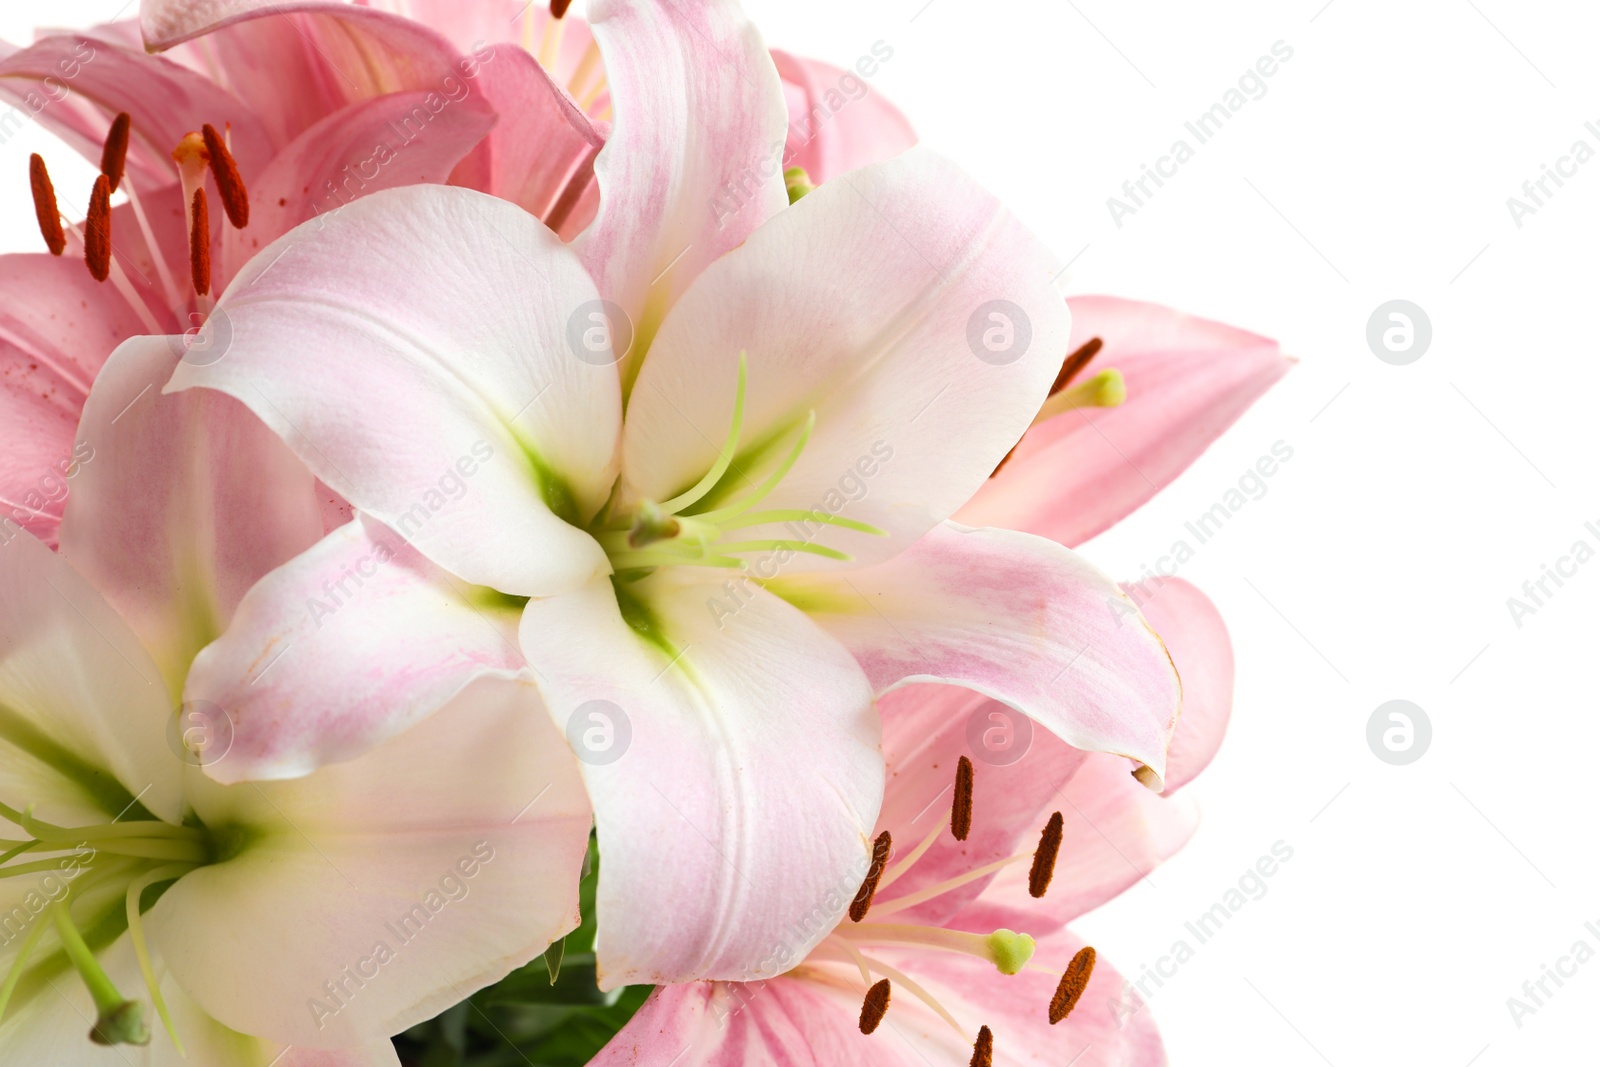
(733, 766)
(184, 503)
(344, 646)
(1188, 380)
(1015, 617)
(837, 121)
(860, 304)
(1193, 631)
(693, 162)
(443, 398)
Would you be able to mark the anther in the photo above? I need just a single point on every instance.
(97, 230)
(983, 1049)
(1044, 857)
(961, 810)
(869, 886)
(1147, 777)
(1073, 982)
(558, 8)
(1075, 363)
(225, 172)
(200, 245)
(114, 156)
(44, 205)
(875, 1006)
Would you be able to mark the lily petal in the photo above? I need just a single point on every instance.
(185, 502)
(81, 704)
(396, 389)
(1188, 380)
(1015, 617)
(868, 304)
(831, 133)
(1192, 629)
(372, 638)
(693, 164)
(407, 904)
(733, 765)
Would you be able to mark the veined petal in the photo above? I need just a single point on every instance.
(343, 647)
(872, 303)
(732, 758)
(83, 712)
(184, 503)
(415, 342)
(1193, 631)
(388, 888)
(693, 163)
(1188, 380)
(837, 122)
(1015, 617)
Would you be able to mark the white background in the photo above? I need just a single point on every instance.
(1378, 564)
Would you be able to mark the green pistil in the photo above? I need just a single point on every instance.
(1010, 951)
(1105, 390)
(797, 182)
(121, 1021)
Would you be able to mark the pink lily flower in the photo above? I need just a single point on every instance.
(956, 949)
(824, 345)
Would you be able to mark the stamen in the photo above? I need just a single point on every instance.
(797, 183)
(961, 810)
(121, 1021)
(983, 1049)
(1075, 362)
(142, 950)
(929, 892)
(20, 964)
(200, 244)
(225, 172)
(554, 32)
(1044, 857)
(875, 1006)
(724, 457)
(97, 231)
(44, 205)
(1147, 777)
(869, 886)
(651, 524)
(1073, 982)
(558, 8)
(909, 861)
(762, 491)
(114, 156)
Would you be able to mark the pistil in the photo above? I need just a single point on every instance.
(121, 1021)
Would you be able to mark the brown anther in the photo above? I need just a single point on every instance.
(1073, 365)
(44, 205)
(1044, 857)
(200, 244)
(230, 186)
(1074, 980)
(875, 1006)
(558, 8)
(114, 156)
(961, 810)
(869, 885)
(97, 230)
(983, 1049)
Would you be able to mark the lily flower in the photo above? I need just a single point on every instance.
(734, 569)
(297, 923)
(956, 949)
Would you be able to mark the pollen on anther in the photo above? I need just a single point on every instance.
(558, 8)
(961, 810)
(225, 172)
(875, 1006)
(97, 230)
(983, 1049)
(1074, 980)
(869, 885)
(114, 156)
(200, 244)
(44, 205)
(1044, 857)
(1073, 365)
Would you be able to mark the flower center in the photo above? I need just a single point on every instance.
(687, 531)
(1007, 951)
